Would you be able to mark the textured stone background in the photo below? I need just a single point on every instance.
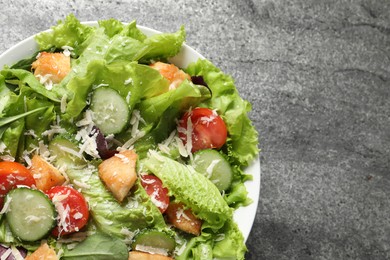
(318, 76)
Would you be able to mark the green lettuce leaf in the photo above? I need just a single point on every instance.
(69, 32)
(191, 188)
(27, 78)
(243, 137)
(98, 247)
(231, 245)
(164, 45)
(227, 243)
(113, 27)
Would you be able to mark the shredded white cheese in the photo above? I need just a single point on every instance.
(123, 158)
(30, 132)
(180, 213)
(16, 253)
(151, 250)
(6, 206)
(2, 147)
(45, 80)
(77, 215)
(82, 184)
(63, 104)
(67, 50)
(128, 81)
(6, 254)
(54, 129)
(210, 168)
(32, 218)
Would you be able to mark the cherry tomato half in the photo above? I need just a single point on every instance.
(13, 174)
(208, 129)
(157, 193)
(72, 209)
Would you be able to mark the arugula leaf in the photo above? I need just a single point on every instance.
(7, 120)
(98, 247)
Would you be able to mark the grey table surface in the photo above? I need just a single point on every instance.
(318, 76)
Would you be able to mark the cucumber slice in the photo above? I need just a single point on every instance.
(65, 152)
(214, 166)
(153, 241)
(111, 112)
(31, 215)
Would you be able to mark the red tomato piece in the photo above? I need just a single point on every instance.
(13, 174)
(208, 130)
(157, 193)
(72, 209)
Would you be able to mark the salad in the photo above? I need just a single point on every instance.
(109, 151)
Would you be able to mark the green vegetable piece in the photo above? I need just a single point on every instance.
(65, 152)
(98, 247)
(7, 120)
(31, 215)
(191, 188)
(154, 240)
(111, 112)
(214, 166)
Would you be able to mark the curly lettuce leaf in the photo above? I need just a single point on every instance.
(113, 27)
(227, 243)
(242, 143)
(191, 188)
(68, 32)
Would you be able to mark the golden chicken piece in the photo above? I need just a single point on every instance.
(119, 173)
(51, 66)
(43, 252)
(172, 73)
(183, 219)
(45, 174)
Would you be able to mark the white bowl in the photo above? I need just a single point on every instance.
(244, 216)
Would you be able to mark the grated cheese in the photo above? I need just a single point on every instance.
(132, 140)
(188, 144)
(67, 50)
(6, 254)
(2, 147)
(180, 145)
(45, 80)
(30, 132)
(151, 250)
(32, 218)
(63, 103)
(99, 86)
(54, 129)
(6, 206)
(123, 158)
(82, 184)
(16, 253)
(210, 168)
(37, 175)
(77, 215)
(128, 81)
(180, 213)
(181, 249)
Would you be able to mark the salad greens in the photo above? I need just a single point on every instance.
(35, 115)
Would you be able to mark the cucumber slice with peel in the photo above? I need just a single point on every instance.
(153, 241)
(214, 166)
(110, 111)
(31, 215)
